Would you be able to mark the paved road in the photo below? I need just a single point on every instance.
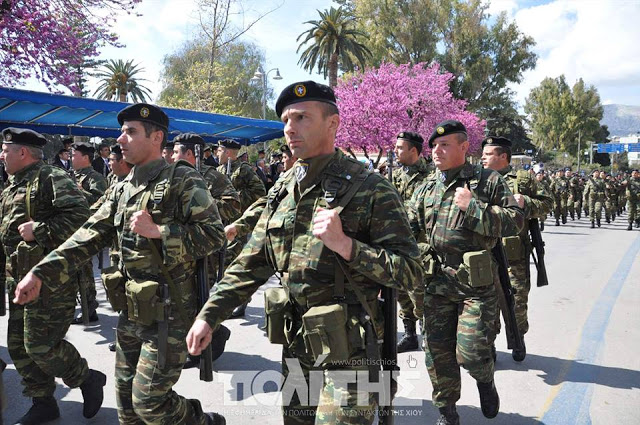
(583, 365)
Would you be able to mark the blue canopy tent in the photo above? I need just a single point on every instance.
(76, 116)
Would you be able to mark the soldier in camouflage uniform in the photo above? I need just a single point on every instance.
(371, 241)
(594, 196)
(633, 198)
(414, 170)
(536, 202)
(250, 188)
(462, 213)
(573, 194)
(543, 183)
(575, 187)
(93, 185)
(611, 195)
(560, 191)
(41, 207)
(164, 218)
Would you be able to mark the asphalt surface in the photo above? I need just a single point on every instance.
(582, 366)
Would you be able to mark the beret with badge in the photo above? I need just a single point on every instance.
(411, 137)
(497, 141)
(188, 139)
(230, 144)
(303, 92)
(144, 112)
(23, 136)
(445, 128)
(84, 149)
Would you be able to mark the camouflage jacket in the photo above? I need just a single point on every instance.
(93, 183)
(633, 189)
(537, 201)
(384, 250)
(246, 182)
(575, 187)
(560, 188)
(226, 197)
(450, 232)
(57, 207)
(189, 223)
(407, 178)
(594, 190)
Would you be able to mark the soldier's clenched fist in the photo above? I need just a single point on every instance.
(462, 198)
(328, 228)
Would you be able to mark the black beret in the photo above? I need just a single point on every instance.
(23, 136)
(116, 149)
(540, 172)
(496, 141)
(635, 171)
(595, 171)
(144, 112)
(285, 149)
(67, 141)
(447, 127)
(84, 149)
(302, 92)
(412, 137)
(188, 138)
(230, 144)
(169, 145)
(261, 151)
(567, 169)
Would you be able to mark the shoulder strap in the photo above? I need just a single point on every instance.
(27, 199)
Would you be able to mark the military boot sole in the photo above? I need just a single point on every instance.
(408, 343)
(489, 399)
(40, 413)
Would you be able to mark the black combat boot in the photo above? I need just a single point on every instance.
(494, 354)
(629, 227)
(557, 222)
(578, 214)
(489, 399)
(92, 393)
(239, 311)
(519, 355)
(598, 221)
(43, 410)
(448, 416)
(593, 224)
(564, 219)
(409, 341)
(637, 224)
(607, 219)
(215, 419)
(572, 216)
(93, 317)
(542, 226)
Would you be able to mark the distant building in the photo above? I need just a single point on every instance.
(634, 157)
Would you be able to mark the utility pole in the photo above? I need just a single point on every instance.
(590, 153)
(579, 151)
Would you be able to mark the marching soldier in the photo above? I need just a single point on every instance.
(536, 202)
(164, 218)
(414, 170)
(594, 196)
(41, 207)
(332, 265)
(462, 213)
(560, 191)
(633, 198)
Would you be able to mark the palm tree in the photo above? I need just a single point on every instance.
(118, 80)
(334, 44)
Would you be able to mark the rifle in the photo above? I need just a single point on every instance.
(538, 256)
(82, 290)
(506, 300)
(202, 282)
(389, 344)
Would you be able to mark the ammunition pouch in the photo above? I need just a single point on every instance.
(26, 255)
(513, 248)
(144, 306)
(325, 332)
(278, 316)
(114, 285)
(476, 269)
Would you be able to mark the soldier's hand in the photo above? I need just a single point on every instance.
(519, 199)
(199, 337)
(27, 290)
(231, 232)
(143, 225)
(462, 198)
(327, 227)
(26, 231)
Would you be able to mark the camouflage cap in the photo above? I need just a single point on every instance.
(304, 91)
(144, 112)
(447, 127)
(23, 136)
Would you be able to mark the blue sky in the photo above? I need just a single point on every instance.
(597, 40)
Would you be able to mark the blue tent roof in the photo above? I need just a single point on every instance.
(76, 116)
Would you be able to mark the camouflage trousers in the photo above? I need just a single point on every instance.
(411, 307)
(36, 343)
(521, 282)
(571, 208)
(610, 208)
(86, 278)
(144, 392)
(326, 399)
(458, 330)
(595, 210)
(560, 207)
(577, 205)
(632, 210)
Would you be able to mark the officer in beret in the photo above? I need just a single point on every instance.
(302, 236)
(462, 213)
(28, 231)
(167, 152)
(543, 183)
(163, 218)
(594, 196)
(413, 171)
(93, 185)
(248, 185)
(536, 202)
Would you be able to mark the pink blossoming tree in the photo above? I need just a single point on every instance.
(52, 39)
(380, 103)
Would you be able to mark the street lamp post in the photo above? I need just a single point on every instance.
(262, 77)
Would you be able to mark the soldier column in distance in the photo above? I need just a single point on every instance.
(462, 213)
(164, 219)
(594, 196)
(41, 208)
(633, 198)
(414, 170)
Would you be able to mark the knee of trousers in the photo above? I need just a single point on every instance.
(151, 407)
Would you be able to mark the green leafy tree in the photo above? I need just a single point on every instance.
(119, 80)
(334, 44)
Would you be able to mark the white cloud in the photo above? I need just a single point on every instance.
(497, 6)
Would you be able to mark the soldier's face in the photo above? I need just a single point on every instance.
(79, 160)
(492, 159)
(137, 148)
(448, 152)
(288, 161)
(307, 131)
(223, 155)
(635, 174)
(539, 177)
(568, 174)
(177, 153)
(13, 157)
(403, 152)
(167, 155)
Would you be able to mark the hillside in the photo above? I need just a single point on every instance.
(622, 120)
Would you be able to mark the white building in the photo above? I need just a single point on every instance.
(634, 157)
